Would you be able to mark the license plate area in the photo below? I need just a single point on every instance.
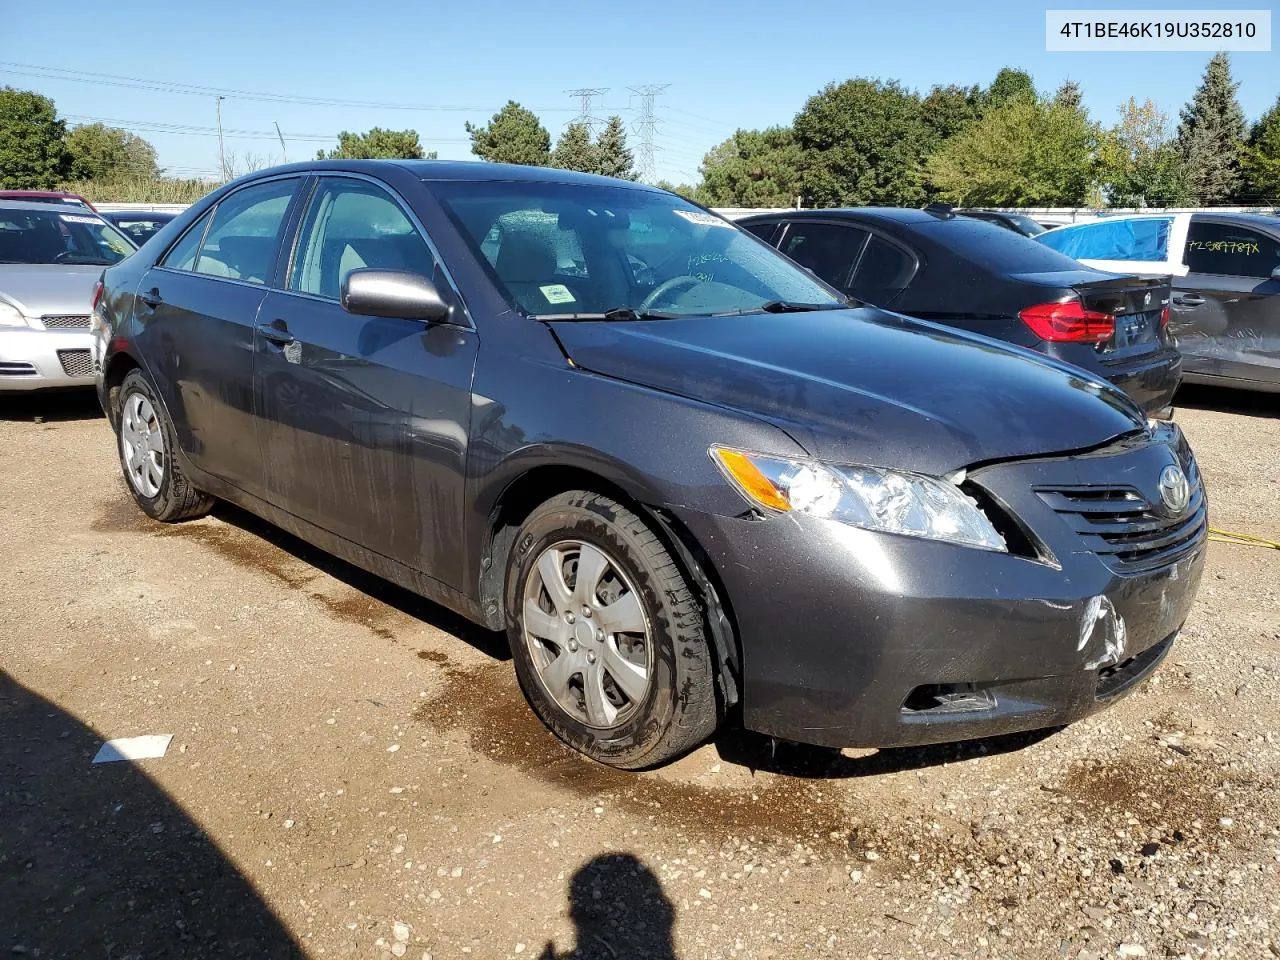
(1134, 329)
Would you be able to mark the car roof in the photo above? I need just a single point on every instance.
(1268, 220)
(472, 170)
(891, 214)
(16, 194)
(35, 205)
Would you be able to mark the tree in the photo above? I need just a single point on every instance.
(613, 158)
(1025, 153)
(514, 135)
(948, 110)
(1010, 84)
(575, 151)
(32, 155)
(1211, 135)
(862, 142)
(98, 152)
(377, 144)
(683, 189)
(1069, 95)
(1260, 161)
(1140, 165)
(753, 168)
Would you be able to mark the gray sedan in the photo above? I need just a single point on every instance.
(50, 260)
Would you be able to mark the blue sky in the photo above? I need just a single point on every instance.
(729, 63)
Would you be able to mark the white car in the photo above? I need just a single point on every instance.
(50, 259)
(1225, 308)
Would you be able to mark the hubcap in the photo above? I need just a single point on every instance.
(141, 445)
(596, 668)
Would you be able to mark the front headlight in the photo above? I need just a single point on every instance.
(869, 497)
(11, 316)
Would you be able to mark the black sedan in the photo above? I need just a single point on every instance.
(140, 225)
(1017, 222)
(969, 274)
(676, 469)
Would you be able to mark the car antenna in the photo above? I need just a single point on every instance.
(944, 210)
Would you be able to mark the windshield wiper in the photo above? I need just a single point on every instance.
(617, 313)
(783, 306)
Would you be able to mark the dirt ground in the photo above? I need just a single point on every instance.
(353, 772)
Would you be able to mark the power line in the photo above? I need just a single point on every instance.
(646, 126)
(187, 129)
(585, 116)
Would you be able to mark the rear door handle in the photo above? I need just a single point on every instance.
(277, 333)
(1190, 301)
(152, 298)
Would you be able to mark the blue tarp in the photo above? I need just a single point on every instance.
(1146, 239)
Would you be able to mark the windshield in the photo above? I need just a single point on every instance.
(557, 249)
(55, 236)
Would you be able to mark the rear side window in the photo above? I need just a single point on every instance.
(241, 242)
(350, 225)
(1230, 251)
(884, 270)
(764, 231)
(1146, 239)
(828, 249)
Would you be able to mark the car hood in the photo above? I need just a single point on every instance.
(49, 289)
(865, 386)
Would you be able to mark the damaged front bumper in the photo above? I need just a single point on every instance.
(854, 638)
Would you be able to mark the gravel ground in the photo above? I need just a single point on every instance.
(354, 773)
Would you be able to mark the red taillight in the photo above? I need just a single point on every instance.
(1069, 322)
(97, 295)
(1164, 316)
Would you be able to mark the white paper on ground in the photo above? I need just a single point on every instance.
(134, 748)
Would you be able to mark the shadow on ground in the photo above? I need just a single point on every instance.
(619, 912)
(50, 406)
(1227, 400)
(98, 861)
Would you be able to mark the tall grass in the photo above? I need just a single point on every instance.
(140, 190)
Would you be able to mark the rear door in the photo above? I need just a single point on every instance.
(363, 420)
(1227, 310)
(197, 309)
(827, 249)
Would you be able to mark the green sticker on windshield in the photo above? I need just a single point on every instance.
(557, 293)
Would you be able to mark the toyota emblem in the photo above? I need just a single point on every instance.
(1175, 492)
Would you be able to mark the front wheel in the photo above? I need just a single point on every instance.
(607, 639)
(147, 444)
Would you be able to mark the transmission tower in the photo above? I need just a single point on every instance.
(646, 126)
(586, 116)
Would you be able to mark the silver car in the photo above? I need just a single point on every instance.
(50, 260)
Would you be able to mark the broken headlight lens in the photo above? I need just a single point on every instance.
(887, 501)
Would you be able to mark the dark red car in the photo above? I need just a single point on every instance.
(47, 196)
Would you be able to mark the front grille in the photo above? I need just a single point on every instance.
(1129, 533)
(76, 322)
(76, 363)
(15, 368)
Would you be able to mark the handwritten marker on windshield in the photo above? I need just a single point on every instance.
(134, 748)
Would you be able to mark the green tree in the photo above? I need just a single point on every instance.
(1211, 135)
(1025, 153)
(753, 168)
(32, 154)
(948, 110)
(377, 144)
(1069, 95)
(98, 152)
(862, 142)
(613, 157)
(1260, 161)
(575, 151)
(1010, 84)
(514, 135)
(683, 189)
(1139, 163)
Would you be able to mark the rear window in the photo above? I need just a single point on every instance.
(996, 249)
(1136, 240)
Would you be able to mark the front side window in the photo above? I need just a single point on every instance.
(827, 249)
(182, 255)
(352, 224)
(1230, 251)
(558, 248)
(1138, 240)
(241, 241)
(56, 236)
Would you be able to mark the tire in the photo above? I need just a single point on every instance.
(562, 655)
(146, 443)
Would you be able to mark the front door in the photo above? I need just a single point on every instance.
(1226, 311)
(198, 307)
(363, 420)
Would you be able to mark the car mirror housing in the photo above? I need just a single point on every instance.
(393, 293)
(1275, 274)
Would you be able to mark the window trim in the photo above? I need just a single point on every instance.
(295, 240)
(1220, 222)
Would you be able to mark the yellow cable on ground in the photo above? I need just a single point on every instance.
(1243, 539)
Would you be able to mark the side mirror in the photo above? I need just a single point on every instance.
(370, 292)
(1275, 274)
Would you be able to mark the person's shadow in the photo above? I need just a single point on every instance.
(619, 912)
(98, 861)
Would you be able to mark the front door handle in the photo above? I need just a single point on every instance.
(152, 298)
(1189, 301)
(277, 333)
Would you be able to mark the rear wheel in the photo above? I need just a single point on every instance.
(607, 638)
(147, 443)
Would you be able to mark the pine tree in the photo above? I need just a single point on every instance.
(613, 158)
(1260, 162)
(1069, 95)
(1211, 135)
(575, 151)
(514, 135)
